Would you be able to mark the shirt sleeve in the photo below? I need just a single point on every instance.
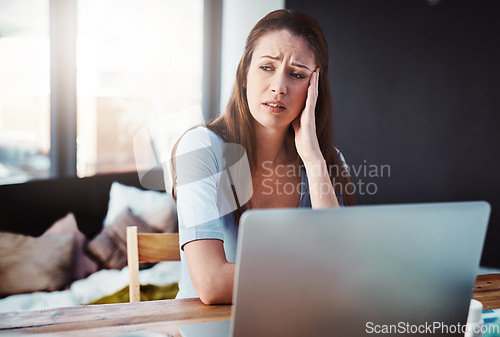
(341, 156)
(198, 170)
(344, 165)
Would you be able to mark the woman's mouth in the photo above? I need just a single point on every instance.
(275, 106)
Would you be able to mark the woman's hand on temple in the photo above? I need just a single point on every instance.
(306, 140)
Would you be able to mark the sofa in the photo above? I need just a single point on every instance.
(63, 241)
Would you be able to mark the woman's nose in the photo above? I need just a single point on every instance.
(278, 84)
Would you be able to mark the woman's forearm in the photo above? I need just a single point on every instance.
(217, 286)
(320, 186)
(212, 276)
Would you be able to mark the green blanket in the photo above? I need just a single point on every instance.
(149, 292)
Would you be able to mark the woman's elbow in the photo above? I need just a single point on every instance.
(213, 290)
(210, 299)
(213, 296)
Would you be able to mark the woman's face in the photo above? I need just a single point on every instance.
(278, 78)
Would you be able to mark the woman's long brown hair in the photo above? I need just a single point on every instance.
(236, 124)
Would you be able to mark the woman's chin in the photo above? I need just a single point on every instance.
(278, 126)
(278, 121)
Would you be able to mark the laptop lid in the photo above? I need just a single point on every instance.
(355, 271)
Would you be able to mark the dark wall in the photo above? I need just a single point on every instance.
(417, 87)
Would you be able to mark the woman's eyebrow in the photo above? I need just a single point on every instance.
(300, 65)
(276, 58)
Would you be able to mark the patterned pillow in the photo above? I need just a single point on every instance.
(84, 266)
(29, 264)
(110, 246)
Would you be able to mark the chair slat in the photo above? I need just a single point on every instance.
(133, 264)
(158, 247)
(148, 248)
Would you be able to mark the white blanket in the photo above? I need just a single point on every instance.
(97, 285)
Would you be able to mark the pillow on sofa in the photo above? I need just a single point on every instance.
(83, 265)
(29, 264)
(156, 208)
(164, 219)
(110, 246)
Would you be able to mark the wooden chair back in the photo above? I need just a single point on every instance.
(148, 247)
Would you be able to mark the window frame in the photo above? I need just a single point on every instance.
(63, 88)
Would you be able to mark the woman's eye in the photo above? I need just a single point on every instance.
(297, 75)
(266, 68)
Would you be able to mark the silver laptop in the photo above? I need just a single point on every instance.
(354, 271)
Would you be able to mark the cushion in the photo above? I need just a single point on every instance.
(164, 219)
(29, 264)
(110, 246)
(83, 265)
(142, 202)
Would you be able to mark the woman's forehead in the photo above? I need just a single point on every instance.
(282, 45)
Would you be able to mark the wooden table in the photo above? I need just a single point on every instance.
(111, 319)
(487, 291)
(158, 316)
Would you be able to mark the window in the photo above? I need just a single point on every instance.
(24, 90)
(136, 62)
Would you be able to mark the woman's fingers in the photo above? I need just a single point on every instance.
(312, 96)
(304, 125)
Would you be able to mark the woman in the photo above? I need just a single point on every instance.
(280, 112)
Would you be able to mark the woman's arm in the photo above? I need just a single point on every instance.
(320, 186)
(306, 141)
(212, 276)
(198, 164)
